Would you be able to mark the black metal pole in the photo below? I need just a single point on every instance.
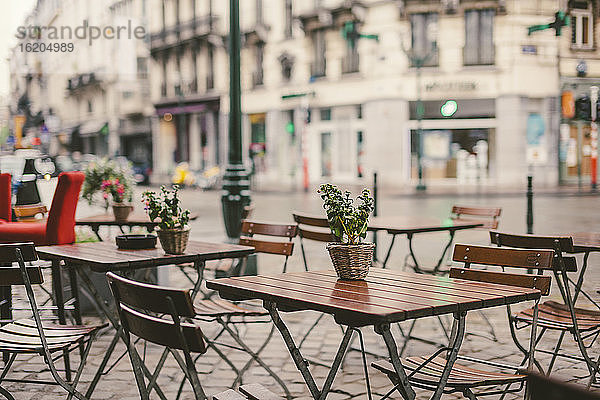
(375, 212)
(236, 189)
(529, 204)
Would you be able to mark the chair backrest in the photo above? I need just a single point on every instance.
(29, 212)
(9, 253)
(5, 197)
(503, 257)
(559, 244)
(137, 302)
(247, 211)
(287, 231)
(489, 216)
(60, 228)
(542, 387)
(304, 221)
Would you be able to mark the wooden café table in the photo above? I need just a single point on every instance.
(82, 259)
(414, 225)
(383, 298)
(135, 219)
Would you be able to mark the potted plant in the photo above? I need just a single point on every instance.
(348, 222)
(173, 229)
(112, 179)
(116, 189)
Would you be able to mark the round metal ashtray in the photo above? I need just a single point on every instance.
(136, 242)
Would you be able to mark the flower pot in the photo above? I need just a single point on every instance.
(174, 241)
(351, 261)
(121, 211)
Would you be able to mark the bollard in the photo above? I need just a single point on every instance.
(375, 213)
(529, 204)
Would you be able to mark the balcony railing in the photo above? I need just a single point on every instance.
(179, 33)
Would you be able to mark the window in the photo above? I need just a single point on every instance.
(210, 77)
(318, 67)
(259, 12)
(289, 19)
(90, 108)
(424, 39)
(350, 61)
(325, 114)
(326, 159)
(582, 25)
(257, 78)
(360, 152)
(479, 37)
(142, 68)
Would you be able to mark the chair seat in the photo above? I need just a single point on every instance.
(553, 315)
(14, 232)
(220, 307)
(460, 376)
(22, 336)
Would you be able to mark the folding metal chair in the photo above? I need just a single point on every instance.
(228, 314)
(31, 336)
(229, 266)
(312, 228)
(138, 304)
(426, 371)
(582, 324)
(544, 388)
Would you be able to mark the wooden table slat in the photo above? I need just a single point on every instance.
(105, 256)
(370, 301)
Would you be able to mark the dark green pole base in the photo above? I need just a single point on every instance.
(236, 195)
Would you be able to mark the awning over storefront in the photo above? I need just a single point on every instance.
(92, 128)
(187, 105)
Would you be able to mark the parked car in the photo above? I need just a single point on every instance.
(141, 173)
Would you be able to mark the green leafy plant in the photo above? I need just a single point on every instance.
(166, 206)
(99, 173)
(348, 222)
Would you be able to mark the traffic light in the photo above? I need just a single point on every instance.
(583, 109)
(350, 34)
(560, 19)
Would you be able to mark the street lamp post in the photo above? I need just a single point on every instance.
(418, 61)
(236, 189)
(420, 112)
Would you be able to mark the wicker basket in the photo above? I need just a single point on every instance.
(351, 261)
(174, 241)
(121, 211)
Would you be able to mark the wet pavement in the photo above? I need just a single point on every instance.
(553, 214)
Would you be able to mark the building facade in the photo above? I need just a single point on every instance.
(460, 82)
(92, 89)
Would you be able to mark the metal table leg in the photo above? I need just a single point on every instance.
(404, 387)
(57, 286)
(389, 252)
(96, 230)
(301, 362)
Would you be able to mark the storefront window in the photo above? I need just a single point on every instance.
(326, 159)
(258, 147)
(452, 153)
(359, 154)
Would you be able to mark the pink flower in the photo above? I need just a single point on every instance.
(105, 195)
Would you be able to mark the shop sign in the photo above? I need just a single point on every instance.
(530, 49)
(536, 153)
(451, 86)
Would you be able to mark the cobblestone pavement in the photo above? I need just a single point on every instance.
(553, 215)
